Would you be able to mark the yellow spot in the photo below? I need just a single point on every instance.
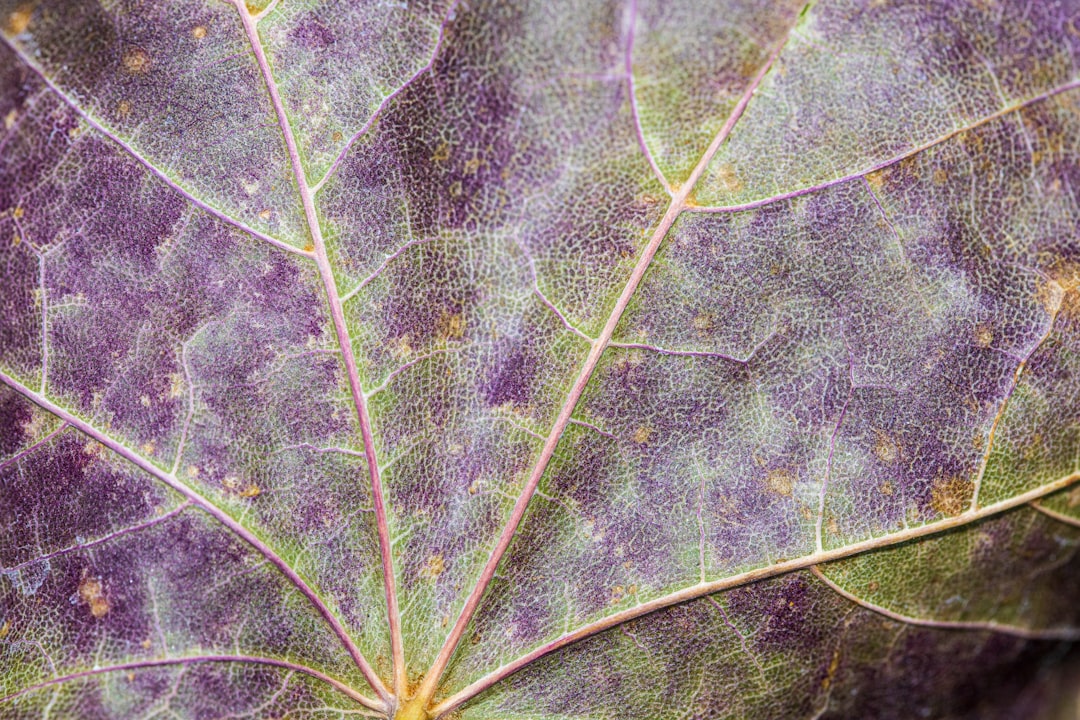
(726, 179)
(309, 248)
(131, 677)
(884, 448)
(983, 335)
(252, 490)
(144, 400)
(148, 448)
(442, 153)
(1073, 498)
(472, 166)
(642, 435)
(136, 61)
(252, 8)
(833, 526)
(19, 20)
(780, 482)
(91, 592)
(337, 136)
(450, 326)
(940, 177)
(176, 386)
(886, 488)
(123, 108)
(455, 189)
(876, 180)
(265, 213)
(950, 496)
(703, 322)
(198, 32)
(145, 644)
(18, 212)
(93, 448)
(434, 566)
(5, 629)
(475, 487)
(10, 118)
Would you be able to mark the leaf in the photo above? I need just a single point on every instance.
(559, 359)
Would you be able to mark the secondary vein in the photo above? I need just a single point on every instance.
(344, 341)
(679, 202)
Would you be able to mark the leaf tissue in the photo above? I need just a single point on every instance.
(569, 359)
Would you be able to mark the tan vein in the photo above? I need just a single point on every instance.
(1056, 515)
(754, 204)
(1065, 633)
(344, 341)
(679, 201)
(744, 578)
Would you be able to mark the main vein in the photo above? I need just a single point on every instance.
(783, 567)
(679, 198)
(211, 509)
(345, 343)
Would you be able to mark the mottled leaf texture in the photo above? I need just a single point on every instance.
(570, 359)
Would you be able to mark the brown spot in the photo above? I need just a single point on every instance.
(123, 108)
(951, 496)
(703, 322)
(872, 586)
(198, 32)
(5, 629)
(780, 482)
(265, 213)
(1073, 498)
(886, 488)
(337, 136)
(642, 435)
(19, 20)
(92, 593)
(136, 61)
(940, 177)
(885, 448)
(983, 335)
(833, 526)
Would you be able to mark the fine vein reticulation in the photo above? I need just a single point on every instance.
(420, 703)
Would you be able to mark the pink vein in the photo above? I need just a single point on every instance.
(678, 203)
(146, 163)
(632, 12)
(989, 625)
(342, 331)
(744, 578)
(103, 539)
(893, 160)
(26, 451)
(390, 98)
(183, 661)
(206, 505)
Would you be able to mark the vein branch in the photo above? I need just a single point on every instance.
(145, 162)
(1063, 633)
(197, 659)
(1016, 107)
(679, 202)
(745, 578)
(206, 505)
(344, 341)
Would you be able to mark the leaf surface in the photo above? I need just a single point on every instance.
(515, 360)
